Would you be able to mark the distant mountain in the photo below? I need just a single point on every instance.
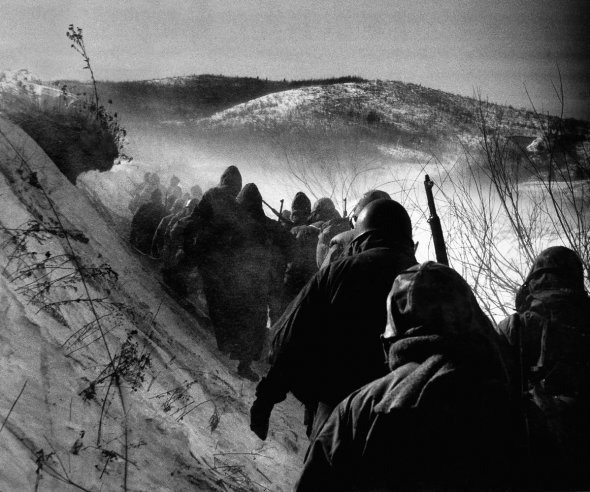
(191, 121)
(403, 121)
(392, 114)
(189, 96)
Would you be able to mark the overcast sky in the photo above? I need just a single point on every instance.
(494, 46)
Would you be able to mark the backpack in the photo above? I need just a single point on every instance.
(552, 338)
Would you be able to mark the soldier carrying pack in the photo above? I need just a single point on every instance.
(548, 357)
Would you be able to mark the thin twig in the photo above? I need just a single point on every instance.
(13, 405)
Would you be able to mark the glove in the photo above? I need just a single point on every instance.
(259, 418)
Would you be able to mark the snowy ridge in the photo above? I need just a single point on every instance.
(21, 82)
(181, 419)
(382, 109)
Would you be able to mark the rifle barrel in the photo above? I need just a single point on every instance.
(276, 212)
(435, 227)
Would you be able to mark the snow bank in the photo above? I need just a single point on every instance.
(180, 419)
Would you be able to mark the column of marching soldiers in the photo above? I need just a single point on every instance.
(404, 381)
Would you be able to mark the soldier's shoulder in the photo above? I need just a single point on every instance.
(343, 238)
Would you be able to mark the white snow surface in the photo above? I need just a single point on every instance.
(51, 345)
(22, 82)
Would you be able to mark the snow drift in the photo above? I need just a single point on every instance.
(121, 388)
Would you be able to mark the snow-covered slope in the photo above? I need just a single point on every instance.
(21, 82)
(390, 120)
(121, 388)
(408, 107)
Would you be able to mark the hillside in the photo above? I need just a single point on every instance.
(386, 113)
(254, 119)
(188, 96)
(334, 137)
(107, 384)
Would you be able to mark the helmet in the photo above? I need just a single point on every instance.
(368, 197)
(556, 268)
(387, 216)
(564, 263)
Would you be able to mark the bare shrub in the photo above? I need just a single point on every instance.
(505, 205)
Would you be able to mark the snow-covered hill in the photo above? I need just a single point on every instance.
(394, 105)
(19, 81)
(121, 388)
(385, 122)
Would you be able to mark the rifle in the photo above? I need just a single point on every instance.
(437, 233)
(278, 214)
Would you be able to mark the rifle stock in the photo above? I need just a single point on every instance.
(435, 227)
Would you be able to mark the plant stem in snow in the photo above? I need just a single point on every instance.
(13, 405)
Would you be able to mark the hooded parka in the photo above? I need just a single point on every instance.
(441, 418)
(216, 249)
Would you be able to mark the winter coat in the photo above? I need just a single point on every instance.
(159, 238)
(442, 419)
(173, 191)
(436, 421)
(220, 216)
(216, 249)
(338, 246)
(249, 285)
(330, 230)
(327, 342)
(303, 266)
(144, 225)
(281, 250)
(547, 343)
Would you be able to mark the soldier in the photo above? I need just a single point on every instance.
(323, 211)
(159, 238)
(325, 221)
(145, 222)
(547, 352)
(250, 283)
(300, 209)
(334, 240)
(178, 268)
(303, 266)
(169, 203)
(139, 192)
(196, 192)
(182, 230)
(327, 343)
(441, 419)
(173, 189)
(215, 249)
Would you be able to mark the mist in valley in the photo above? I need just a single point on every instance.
(325, 153)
